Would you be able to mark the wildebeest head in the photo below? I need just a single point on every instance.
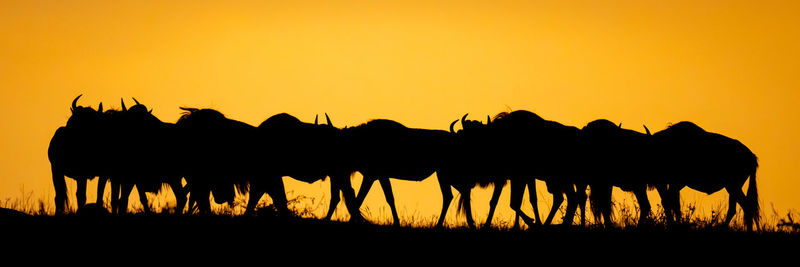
(138, 116)
(83, 116)
(470, 127)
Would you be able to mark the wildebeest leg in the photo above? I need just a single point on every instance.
(366, 184)
(644, 204)
(335, 198)
(447, 197)
(200, 197)
(498, 189)
(580, 191)
(558, 198)
(80, 191)
(387, 191)
(277, 192)
(517, 191)
(664, 194)
(115, 188)
(180, 194)
(735, 195)
(572, 205)
(675, 202)
(143, 199)
(60, 185)
(341, 182)
(606, 204)
(123, 199)
(101, 188)
(466, 201)
(256, 192)
(532, 197)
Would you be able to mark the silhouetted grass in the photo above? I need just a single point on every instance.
(227, 229)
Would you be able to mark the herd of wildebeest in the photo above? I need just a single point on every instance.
(221, 156)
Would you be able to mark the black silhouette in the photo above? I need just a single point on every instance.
(476, 162)
(150, 149)
(533, 148)
(616, 157)
(221, 156)
(382, 149)
(74, 152)
(306, 152)
(707, 162)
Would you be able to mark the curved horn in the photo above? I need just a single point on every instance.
(134, 100)
(75, 102)
(452, 125)
(328, 119)
(488, 119)
(151, 111)
(464, 119)
(100, 108)
(121, 101)
(646, 130)
(316, 117)
(620, 125)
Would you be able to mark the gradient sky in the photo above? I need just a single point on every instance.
(729, 66)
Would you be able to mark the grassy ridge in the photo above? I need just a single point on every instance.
(177, 235)
(305, 237)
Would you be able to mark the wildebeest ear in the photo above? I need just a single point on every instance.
(121, 101)
(620, 125)
(488, 119)
(100, 108)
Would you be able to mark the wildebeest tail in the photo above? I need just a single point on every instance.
(752, 199)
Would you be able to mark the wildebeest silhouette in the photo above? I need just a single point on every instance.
(617, 157)
(150, 150)
(222, 155)
(381, 149)
(707, 162)
(74, 152)
(535, 148)
(474, 162)
(306, 152)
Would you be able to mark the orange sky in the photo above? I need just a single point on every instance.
(730, 67)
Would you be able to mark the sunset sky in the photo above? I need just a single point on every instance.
(729, 66)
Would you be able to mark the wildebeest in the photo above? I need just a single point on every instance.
(534, 148)
(306, 152)
(381, 149)
(616, 157)
(150, 152)
(221, 155)
(74, 152)
(475, 163)
(707, 162)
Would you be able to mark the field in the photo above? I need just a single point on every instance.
(223, 235)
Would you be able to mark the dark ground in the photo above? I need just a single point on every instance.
(196, 238)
